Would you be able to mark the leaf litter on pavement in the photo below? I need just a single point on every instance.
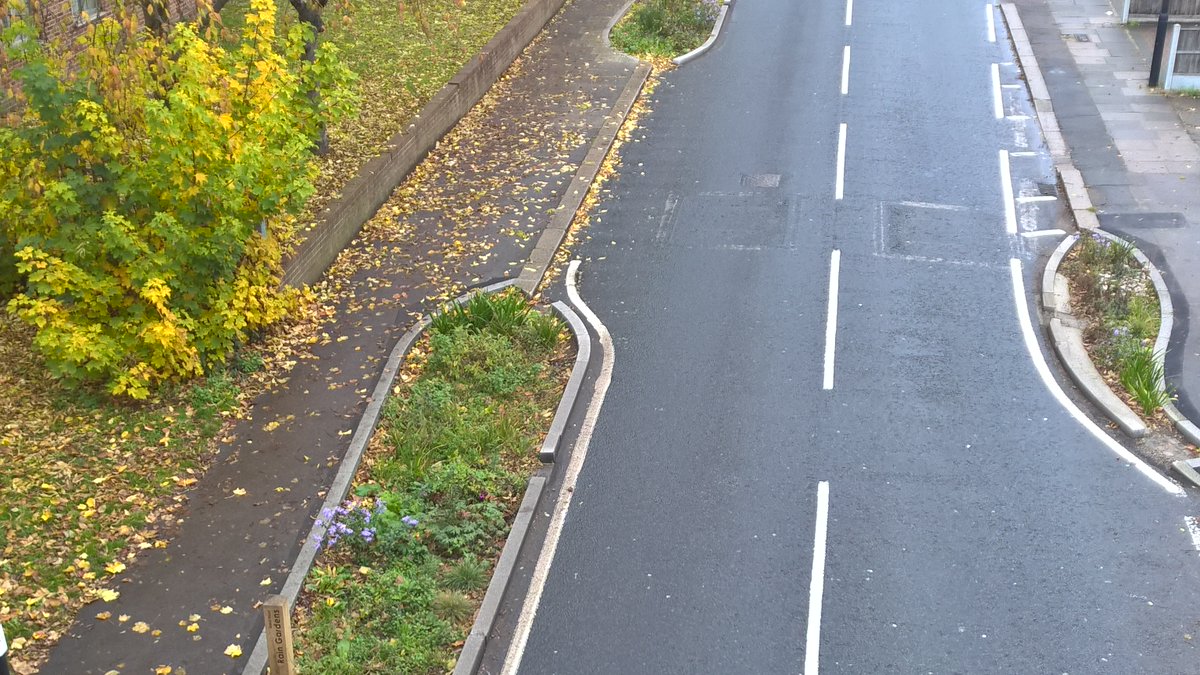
(79, 496)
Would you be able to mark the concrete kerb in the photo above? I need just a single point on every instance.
(1069, 345)
(613, 24)
(1067, 341)
(257, 663)
(712, 37)
(583, 354)
(1077, 196)
(551, 238)
(472, 652)
(340, 221)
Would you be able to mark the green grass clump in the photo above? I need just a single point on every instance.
(408, 561)
(1142, 377)
(665, 28)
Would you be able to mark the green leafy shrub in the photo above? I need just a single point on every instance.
(148, 190)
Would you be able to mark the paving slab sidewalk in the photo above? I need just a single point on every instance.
(469, 214)
(1138, 151)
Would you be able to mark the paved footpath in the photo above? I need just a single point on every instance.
(469, 214)
(1138, 151)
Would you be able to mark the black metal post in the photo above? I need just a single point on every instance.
(3, 653)
(1160, 39)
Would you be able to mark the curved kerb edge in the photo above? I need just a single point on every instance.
(257, 663)
(1067, 341)
(613, 24)
(1166, 324)
(712, 37)
(583, 354)
(1051, 303)
(472, 652)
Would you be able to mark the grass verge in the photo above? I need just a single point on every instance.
(665, 28)
(406, 560)
(1114, 296)
(402, 53)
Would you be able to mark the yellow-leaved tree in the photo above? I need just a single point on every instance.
(148, 188)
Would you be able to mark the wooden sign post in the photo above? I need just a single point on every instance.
(278, 617)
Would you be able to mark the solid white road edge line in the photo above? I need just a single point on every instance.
(1044, 233)
(816, 587)
(1039, 363)
(991, 22)
(835, 261)
(516, 650)
(846, 70)
(1006, 193)
(997, 94)
(840, 182)
(849, 11)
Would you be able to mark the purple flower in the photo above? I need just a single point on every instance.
(410, 521)
(368, 535)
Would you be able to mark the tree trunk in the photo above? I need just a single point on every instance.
(309, 12)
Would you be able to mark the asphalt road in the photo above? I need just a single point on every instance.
(827, 444)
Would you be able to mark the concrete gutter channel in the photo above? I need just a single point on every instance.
(382, 179)
(1063, 327)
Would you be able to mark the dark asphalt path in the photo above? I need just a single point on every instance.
(974, 525)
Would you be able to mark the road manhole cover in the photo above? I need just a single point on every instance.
(760, 180)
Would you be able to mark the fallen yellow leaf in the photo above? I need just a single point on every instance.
(140, 627)
(233, 651)
(240, 492)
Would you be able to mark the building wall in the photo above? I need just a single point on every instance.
(65, 20)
